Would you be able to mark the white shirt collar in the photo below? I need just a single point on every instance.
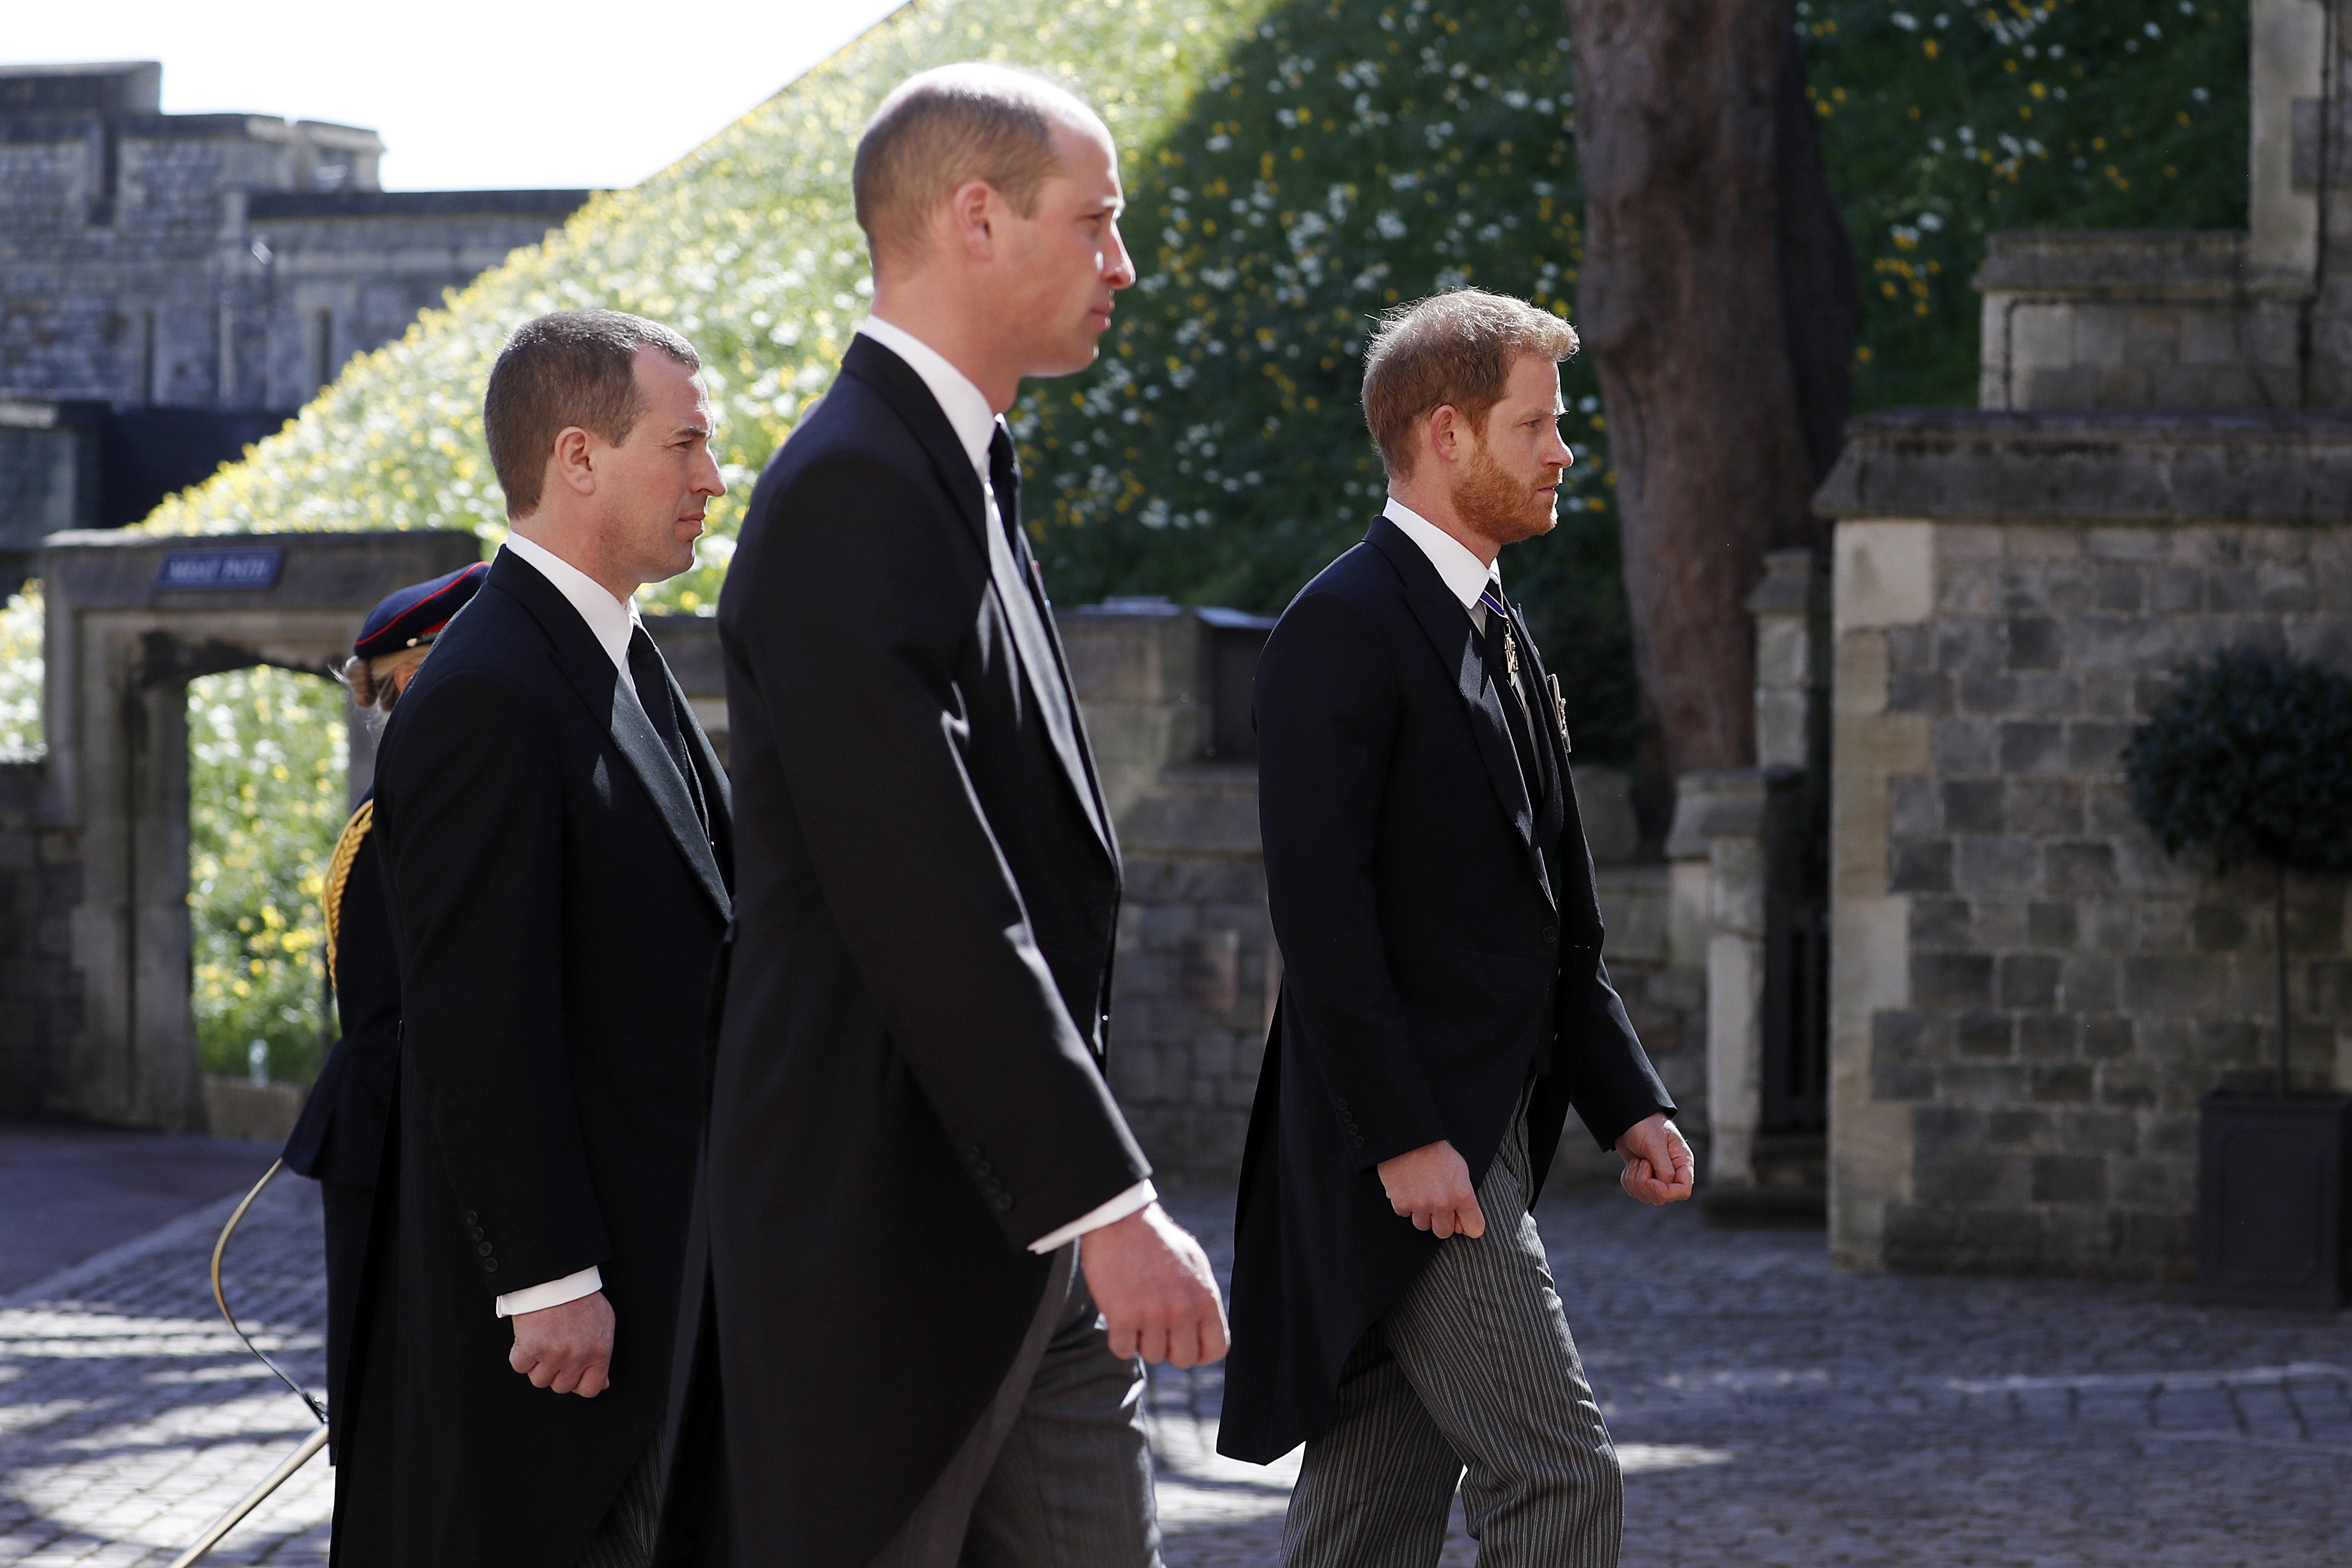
(966, 406)
(610, 619)
(1464, 574)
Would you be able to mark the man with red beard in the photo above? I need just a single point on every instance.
(1443, 1002)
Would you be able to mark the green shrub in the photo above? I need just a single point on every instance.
(2250, 759)
(267, 764)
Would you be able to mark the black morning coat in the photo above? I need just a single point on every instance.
(1435, 953)
(558, 909)
(908, 1086)
(338, 1139)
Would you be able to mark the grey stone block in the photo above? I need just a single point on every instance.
(1964, 1177)
(1918, 691)
(1971, 645)
(2154, 1184)
(2070, 1178)
(1961, 746)
(2174, 590)
(1899, 1037)
(1984, 692)
(2029, 981)
(2121, 587)
(2051, 925)
(1914, 808)
(2034, 643)
(2088, 981)
(2046, 1036)
(2069, 1084)
(2079, 868)
(1997, 924)
(2097, 1132)
(1995, 1084)
(2128, 1084)
(1911, 648)
(1971, 805)
(2096, 746)
(2000, 867)
(1952, 979)
(1922, 866)
(2108, 1039)
(2053, 808)
(2032, 747)
(1940, 921)
(1984, 1034)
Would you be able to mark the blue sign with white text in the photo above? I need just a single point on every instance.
(250, 568)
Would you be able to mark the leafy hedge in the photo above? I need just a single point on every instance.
(1941, 124)
(1293, 165)
(266, 767)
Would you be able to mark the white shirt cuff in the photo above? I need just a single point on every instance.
(1119, 1207)
(554, 1293)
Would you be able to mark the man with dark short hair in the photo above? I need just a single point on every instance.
(1443, 1003)
(556, 852)
(935, 1258)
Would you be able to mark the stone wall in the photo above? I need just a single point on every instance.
(214, 260)
(2092, 320)
(40, 991)
(2029, 996)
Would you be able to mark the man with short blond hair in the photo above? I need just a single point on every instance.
(936, 1262)
(1443, 1002)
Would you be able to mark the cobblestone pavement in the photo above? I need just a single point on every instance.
(1769, 1412)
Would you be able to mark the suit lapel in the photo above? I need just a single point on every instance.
(1037, 649)
(1455, 639)
(614, 704)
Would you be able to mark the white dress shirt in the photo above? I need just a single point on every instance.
(610, 622)
(1464, 574)
(974, 423)
(610, 619)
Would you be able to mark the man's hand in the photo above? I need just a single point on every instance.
(567, 1348)
(1153, 1283)
(1657, 1161)
(1431, 1186)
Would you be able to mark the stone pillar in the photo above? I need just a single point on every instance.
(1719, 844)
(2281, 210)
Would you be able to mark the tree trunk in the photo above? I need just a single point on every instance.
(1718, 299)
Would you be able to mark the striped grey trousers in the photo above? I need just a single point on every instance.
(625, 1537)
(1472, 1377)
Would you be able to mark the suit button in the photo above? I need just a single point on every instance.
(1004, 1202)
(1358, 1143)
(973, 1149)
(1341, 1104)
(477, 1233)
(1550, 934)
(472, 1218)
(1103, 919)
(983, 1168)
(483, 1247)
(490, 1265)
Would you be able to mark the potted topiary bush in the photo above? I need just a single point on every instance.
(2248, 760)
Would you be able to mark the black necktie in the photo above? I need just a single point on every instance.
(650, 675)
(1005, 478)
(1495, 642)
